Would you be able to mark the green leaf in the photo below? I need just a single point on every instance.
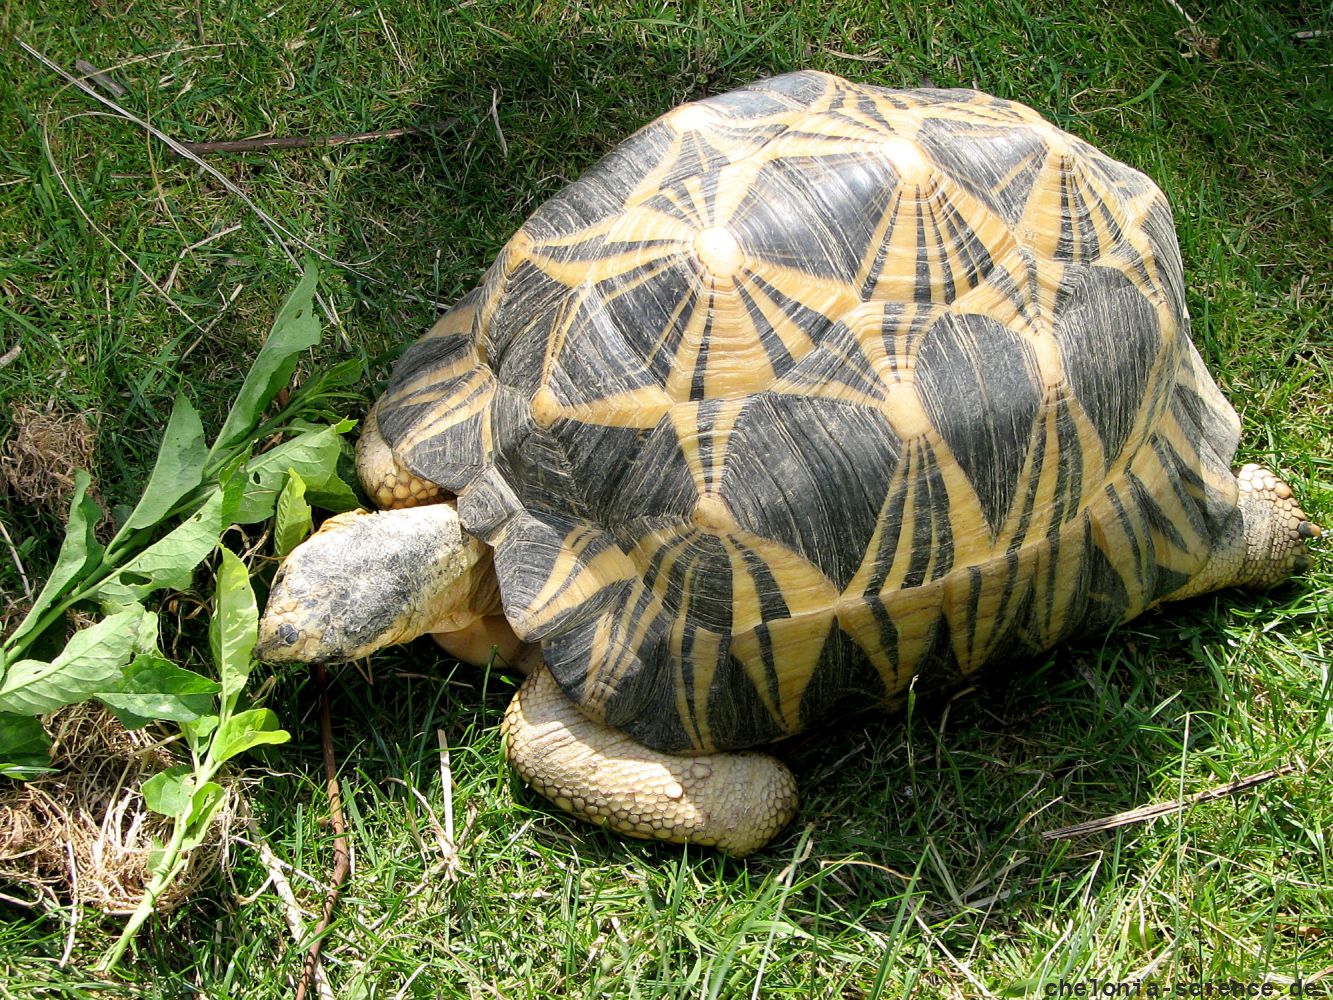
(293, 518)
(321, 383)
(197, 731)
(204, 804)
(234, 627)
(92, 661)
(155, 688)
(253, 728)
(295, 328)
(179, 468)
(78, 552)
(232, 481)
(170, 561)
(312, 455)
(24, 747)
(169, 792)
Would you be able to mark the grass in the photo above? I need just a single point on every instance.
(915, 866)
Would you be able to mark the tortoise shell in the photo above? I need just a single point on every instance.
(812, 388)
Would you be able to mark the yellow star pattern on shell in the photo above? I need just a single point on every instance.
(811, 388)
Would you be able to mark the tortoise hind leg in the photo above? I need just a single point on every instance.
(1266, 541)
(735, 802)
(1275, 529)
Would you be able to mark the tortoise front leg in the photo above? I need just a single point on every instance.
(735, 802)
(386, 481)
(487, 636)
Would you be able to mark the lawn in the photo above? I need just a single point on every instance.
(916, 865)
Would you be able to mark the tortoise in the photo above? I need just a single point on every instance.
(805, 395)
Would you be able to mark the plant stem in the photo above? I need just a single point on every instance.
(168, 867)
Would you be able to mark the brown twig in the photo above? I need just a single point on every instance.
(1144, 813)
(341, 861)
(305, 142)
(291, 909)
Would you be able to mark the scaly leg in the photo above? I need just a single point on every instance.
(735, 802)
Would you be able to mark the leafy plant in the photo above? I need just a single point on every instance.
(194, 494)
(187, 793)
(197, 491)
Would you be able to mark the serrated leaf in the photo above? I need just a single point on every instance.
(92, 661)
(313, 455)
(295, 329)
(155, 688)
(179, 467)
(169, 562)
(79, 551)
(292, 523)
(235, 624)
(24, 747)
(168, 793)
(241, 732)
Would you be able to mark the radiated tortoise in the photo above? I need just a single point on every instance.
(806, 393)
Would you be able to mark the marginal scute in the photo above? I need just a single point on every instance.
(811, 389)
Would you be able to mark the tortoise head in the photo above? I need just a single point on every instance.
(1276, 529)
(369, 580)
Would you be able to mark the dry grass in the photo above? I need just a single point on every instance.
(38, 462)
(83, 834)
